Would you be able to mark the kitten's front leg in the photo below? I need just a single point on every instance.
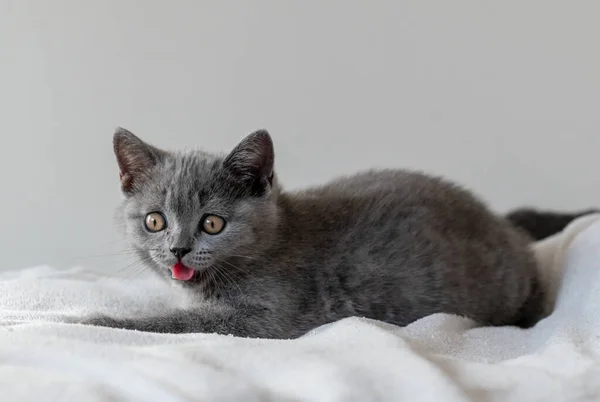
(158, 324)
(245, 322)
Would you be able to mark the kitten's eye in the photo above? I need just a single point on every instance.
(155, 222)
(213, 224)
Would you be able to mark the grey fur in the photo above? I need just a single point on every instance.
(391, 245)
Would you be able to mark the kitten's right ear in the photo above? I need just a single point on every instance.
(135, 159)
(251, 161)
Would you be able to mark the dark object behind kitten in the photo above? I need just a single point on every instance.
(391, 245)
(542, 224)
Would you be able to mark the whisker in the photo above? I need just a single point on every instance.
(218, 276)
(122, 253)
(131, 270)
(139, 272)
(241, 256)
(232, 265)
(134, 266)
(234, 274)
(219, 283)
(212, 280)
(133, 273)
(128, 266)
(226, 274)
(117, 254)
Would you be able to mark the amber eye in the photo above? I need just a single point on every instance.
(155, 222)
(213, 224)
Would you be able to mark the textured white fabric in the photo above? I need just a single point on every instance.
(438, 358)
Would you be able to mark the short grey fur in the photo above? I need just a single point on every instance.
(391, 245)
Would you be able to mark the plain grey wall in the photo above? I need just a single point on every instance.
(501, 96)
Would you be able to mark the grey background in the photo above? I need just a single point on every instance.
(503, 97)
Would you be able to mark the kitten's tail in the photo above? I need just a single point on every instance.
(541, 224)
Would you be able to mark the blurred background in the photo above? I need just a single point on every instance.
(503, 97)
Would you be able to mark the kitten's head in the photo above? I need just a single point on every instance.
(188, 213)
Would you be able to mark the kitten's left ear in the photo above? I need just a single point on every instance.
(252, 160)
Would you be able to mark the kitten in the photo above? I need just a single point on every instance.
(390, 245)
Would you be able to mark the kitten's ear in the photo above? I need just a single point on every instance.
(252, 161)
(135, 158)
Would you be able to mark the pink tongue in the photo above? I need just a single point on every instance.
(182, 272)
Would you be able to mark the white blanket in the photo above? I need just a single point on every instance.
(438, 358)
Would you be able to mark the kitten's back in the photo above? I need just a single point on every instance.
(415, 242)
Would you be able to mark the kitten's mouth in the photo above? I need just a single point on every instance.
(181, 272)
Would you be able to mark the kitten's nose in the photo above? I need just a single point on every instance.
(180, 252)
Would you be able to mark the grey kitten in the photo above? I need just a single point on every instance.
(390, 245)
